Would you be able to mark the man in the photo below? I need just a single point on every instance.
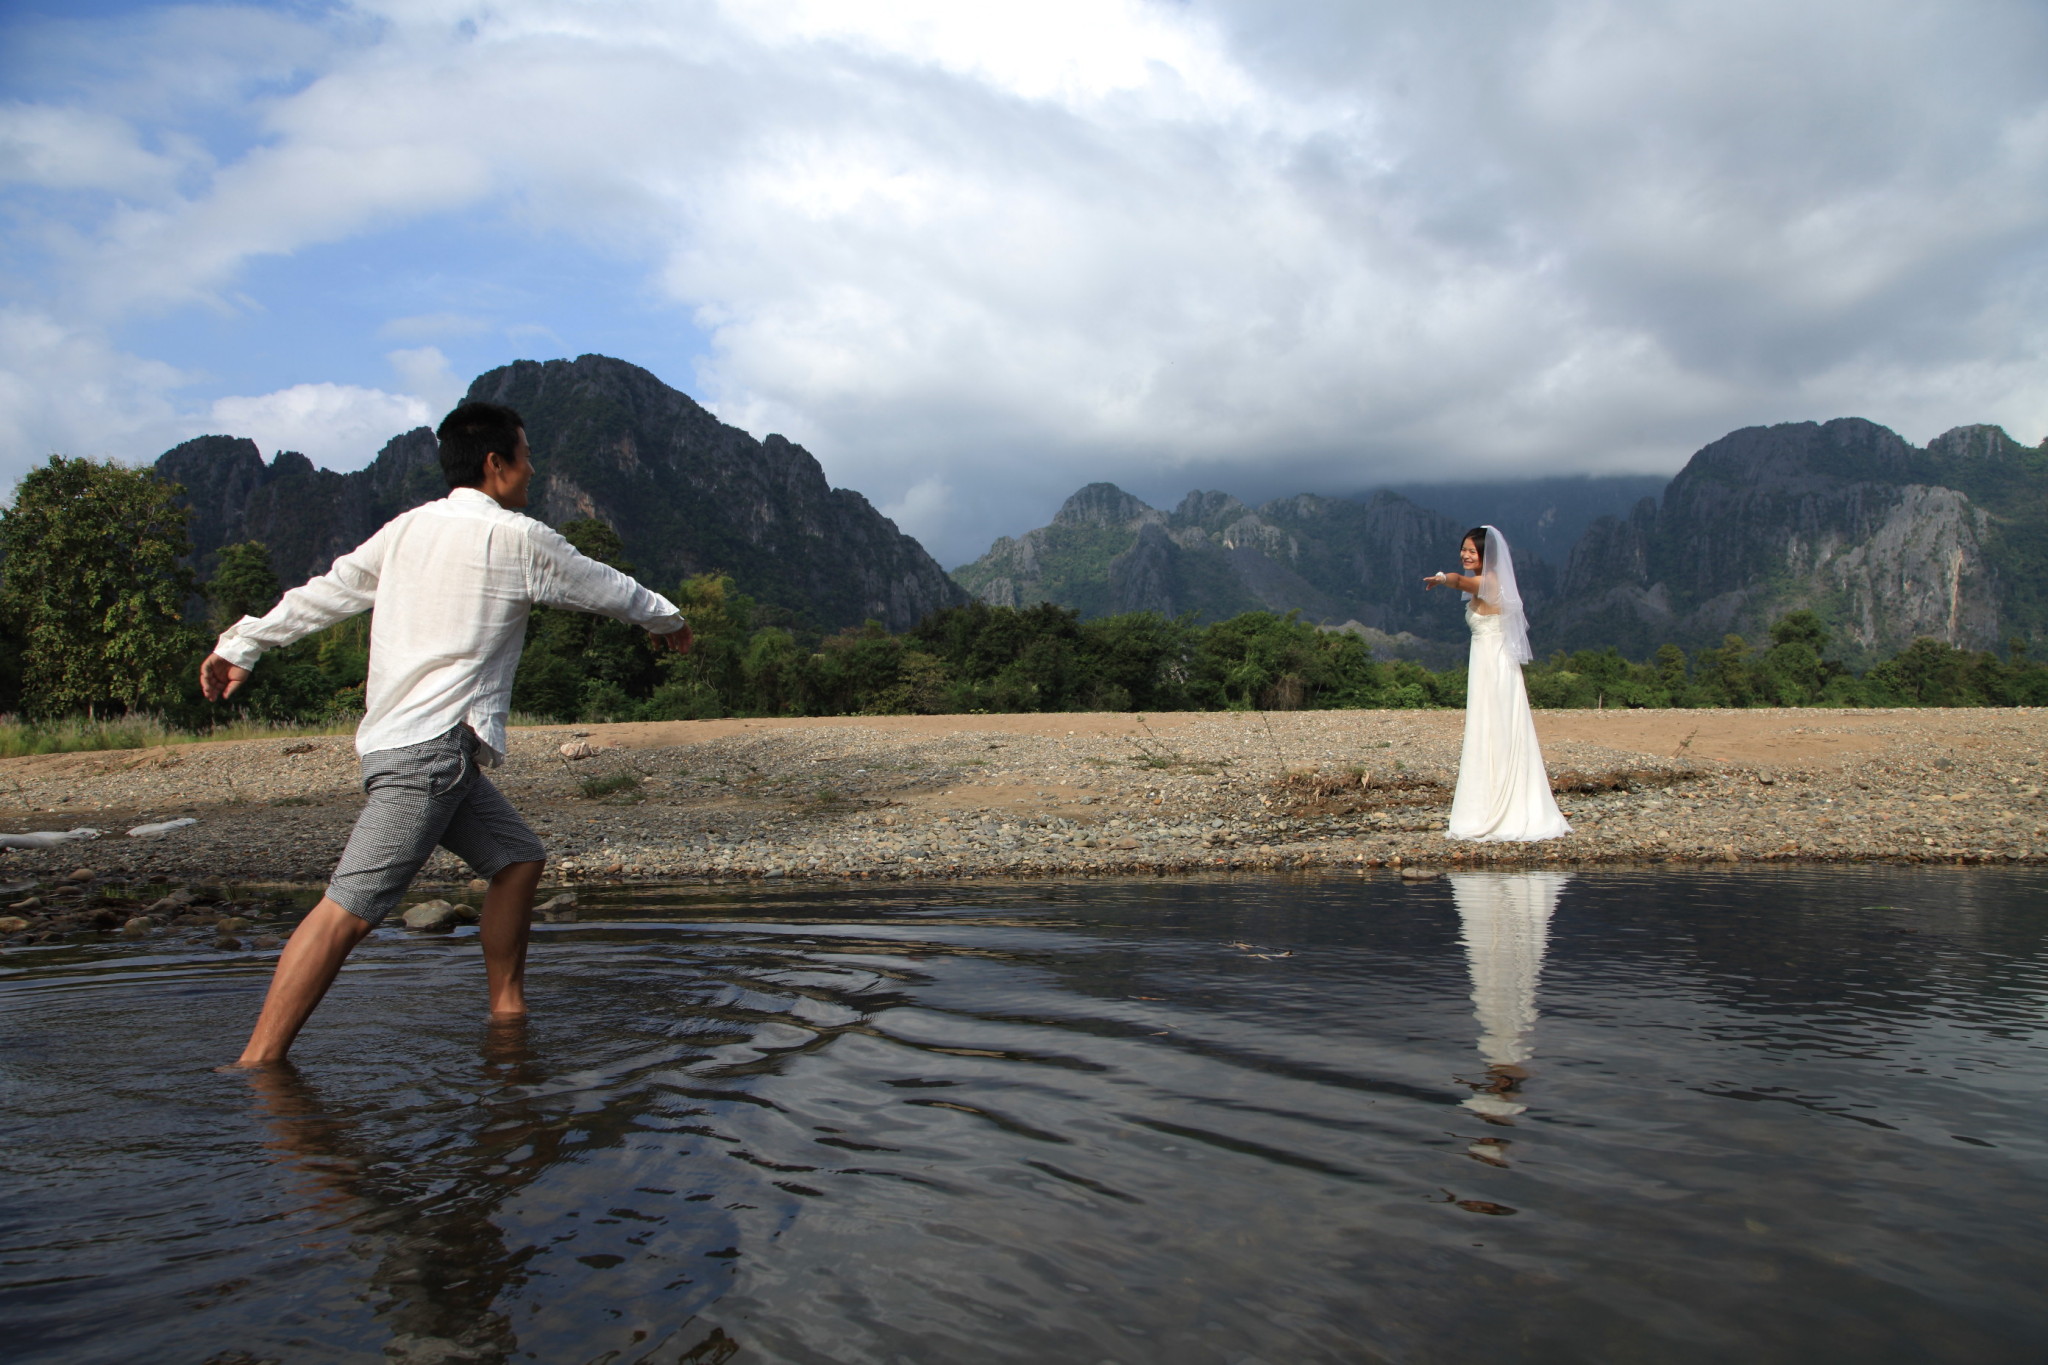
(452, 583)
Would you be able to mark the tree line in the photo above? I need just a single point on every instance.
(100, 614)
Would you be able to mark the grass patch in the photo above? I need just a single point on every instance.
(1575, 783)
(611, 784)
(79, 734)
(1353, 791)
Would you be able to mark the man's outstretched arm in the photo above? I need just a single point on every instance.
(347, 589)
(559, 575)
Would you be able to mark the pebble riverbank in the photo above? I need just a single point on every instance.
(898, 798)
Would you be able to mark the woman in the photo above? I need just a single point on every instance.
(1503, 791)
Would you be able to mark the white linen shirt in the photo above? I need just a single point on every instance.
(452, 583)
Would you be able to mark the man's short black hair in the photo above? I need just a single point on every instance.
(471, 432)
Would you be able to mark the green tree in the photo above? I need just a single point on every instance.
(1801, 628)
(711, 679)
(93, 585)
(1722, 677)
(243, 584)
(1670, 666)
(576, 666)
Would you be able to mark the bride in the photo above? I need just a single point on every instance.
(1503, 791)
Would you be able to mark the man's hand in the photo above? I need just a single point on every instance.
(219, 679)
(677, 640)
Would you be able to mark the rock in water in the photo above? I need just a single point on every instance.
(138, 925)
(12, 924)
(438, 916)
(558, 909)
(80, 875)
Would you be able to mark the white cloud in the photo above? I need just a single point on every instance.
(983, 253)
(82, 149)
(925, 510)
(337, 426)
(66, 390)
(423, 373)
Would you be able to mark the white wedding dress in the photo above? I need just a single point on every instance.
(1503, 791)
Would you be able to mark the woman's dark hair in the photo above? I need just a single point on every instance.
(471, 432)
(1477, 535)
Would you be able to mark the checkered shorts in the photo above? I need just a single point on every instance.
(422, 795)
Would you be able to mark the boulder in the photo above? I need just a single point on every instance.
(12, 924)
(438, 916)
(558, 909)
(80, 875)
(138, 925)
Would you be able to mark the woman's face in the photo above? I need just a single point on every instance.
(1468, 555)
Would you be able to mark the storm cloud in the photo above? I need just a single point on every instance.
(972, 256)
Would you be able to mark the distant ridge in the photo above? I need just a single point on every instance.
(685, 492)
(1333, 559)
(1886, 541)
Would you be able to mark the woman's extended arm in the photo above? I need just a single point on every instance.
(1452, 580)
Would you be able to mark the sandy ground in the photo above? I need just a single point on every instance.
(1799, 737)
(1089, 794)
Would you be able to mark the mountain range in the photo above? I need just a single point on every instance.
(685, 492)
(1888, 542)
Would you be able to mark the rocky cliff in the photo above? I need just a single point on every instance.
(686, 493)
(1888, 542)
(1844, 517)
(306, 516)
(1333, 559)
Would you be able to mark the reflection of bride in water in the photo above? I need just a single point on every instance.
(1504, 920)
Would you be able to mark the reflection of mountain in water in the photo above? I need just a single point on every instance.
(1505, 923)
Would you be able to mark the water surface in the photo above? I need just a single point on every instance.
(1677, 1116)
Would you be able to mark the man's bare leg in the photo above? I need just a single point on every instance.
(508, 911)
(306, 968)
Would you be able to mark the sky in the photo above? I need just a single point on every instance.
(974, 255)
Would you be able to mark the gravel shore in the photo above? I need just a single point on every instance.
(1051, 795)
